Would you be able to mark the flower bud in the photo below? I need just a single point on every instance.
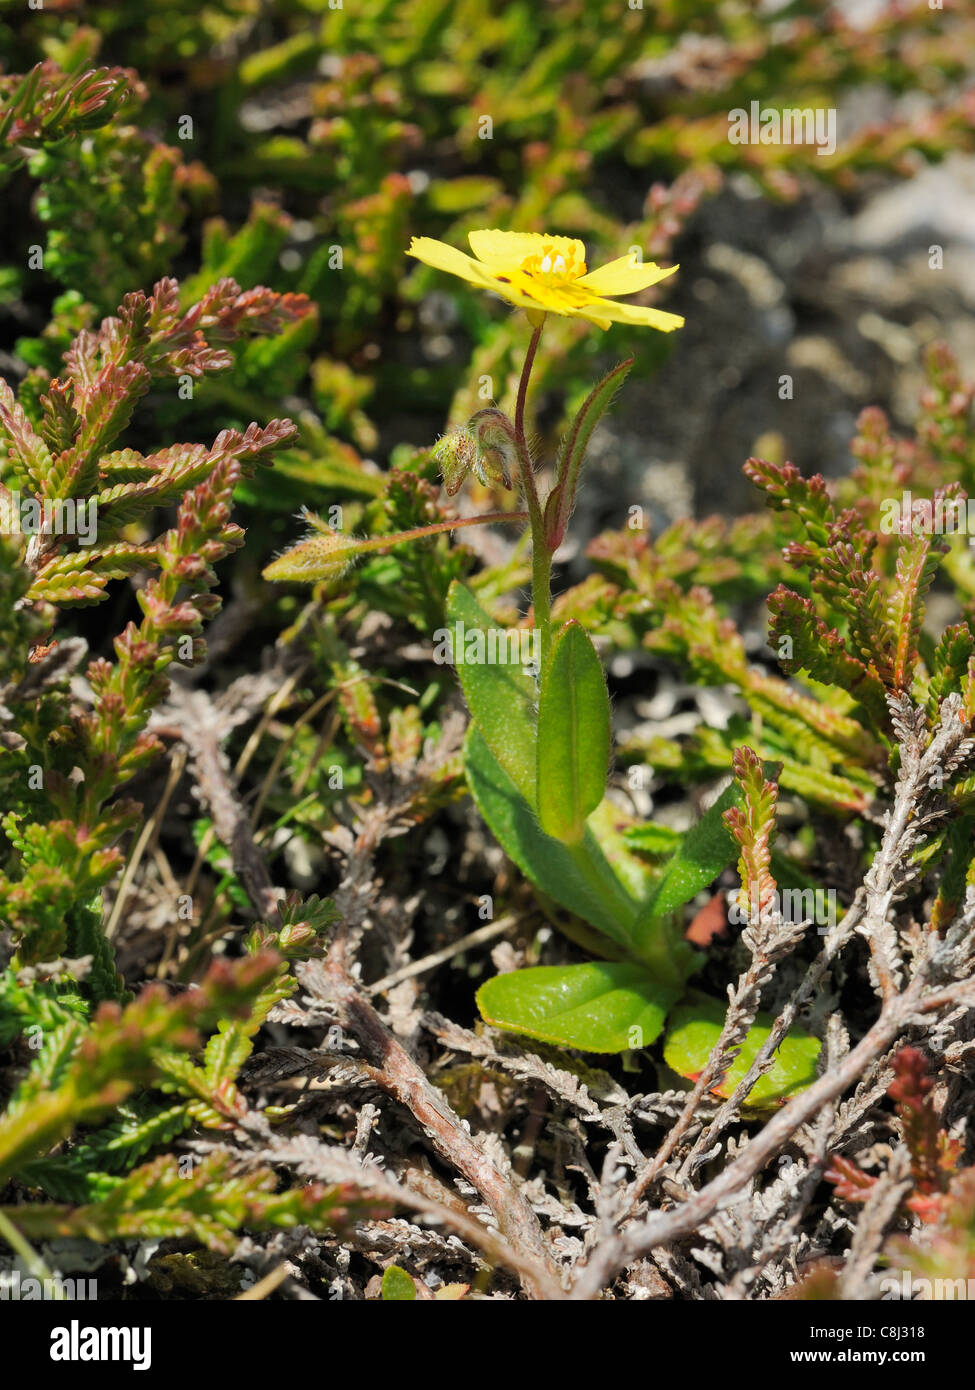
(484, 446)
(455, 453)
(496, 447)
(324, 554)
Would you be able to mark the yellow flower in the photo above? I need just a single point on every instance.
(547, 275)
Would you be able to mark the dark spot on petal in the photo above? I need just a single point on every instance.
(504, 279)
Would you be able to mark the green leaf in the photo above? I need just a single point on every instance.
(580, 877)
(695, 1028)
(226, 1052)
(609, 825)
(210, 1205)
(501, 696)
(558, 507)
(573, 735)
(398, 1286)
(598, 1007)
(652, 838)
(26, 453)
(703, 852)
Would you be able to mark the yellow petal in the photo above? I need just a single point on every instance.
(514, 287)
(454, 262)
(624, 276)
(594, 315)
(502, 250)
(521, 289)
(635, 314)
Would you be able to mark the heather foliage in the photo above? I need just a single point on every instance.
(279, 808)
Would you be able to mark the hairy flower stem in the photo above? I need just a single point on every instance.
(541, 555)
(435, 529)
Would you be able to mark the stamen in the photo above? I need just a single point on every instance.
(553, 266)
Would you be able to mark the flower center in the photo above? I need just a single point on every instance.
(554, 266)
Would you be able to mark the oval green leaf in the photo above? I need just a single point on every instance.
(573, 735)
(500, 694)
(695, 1028)
(597, 1007)
(398, 1286)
